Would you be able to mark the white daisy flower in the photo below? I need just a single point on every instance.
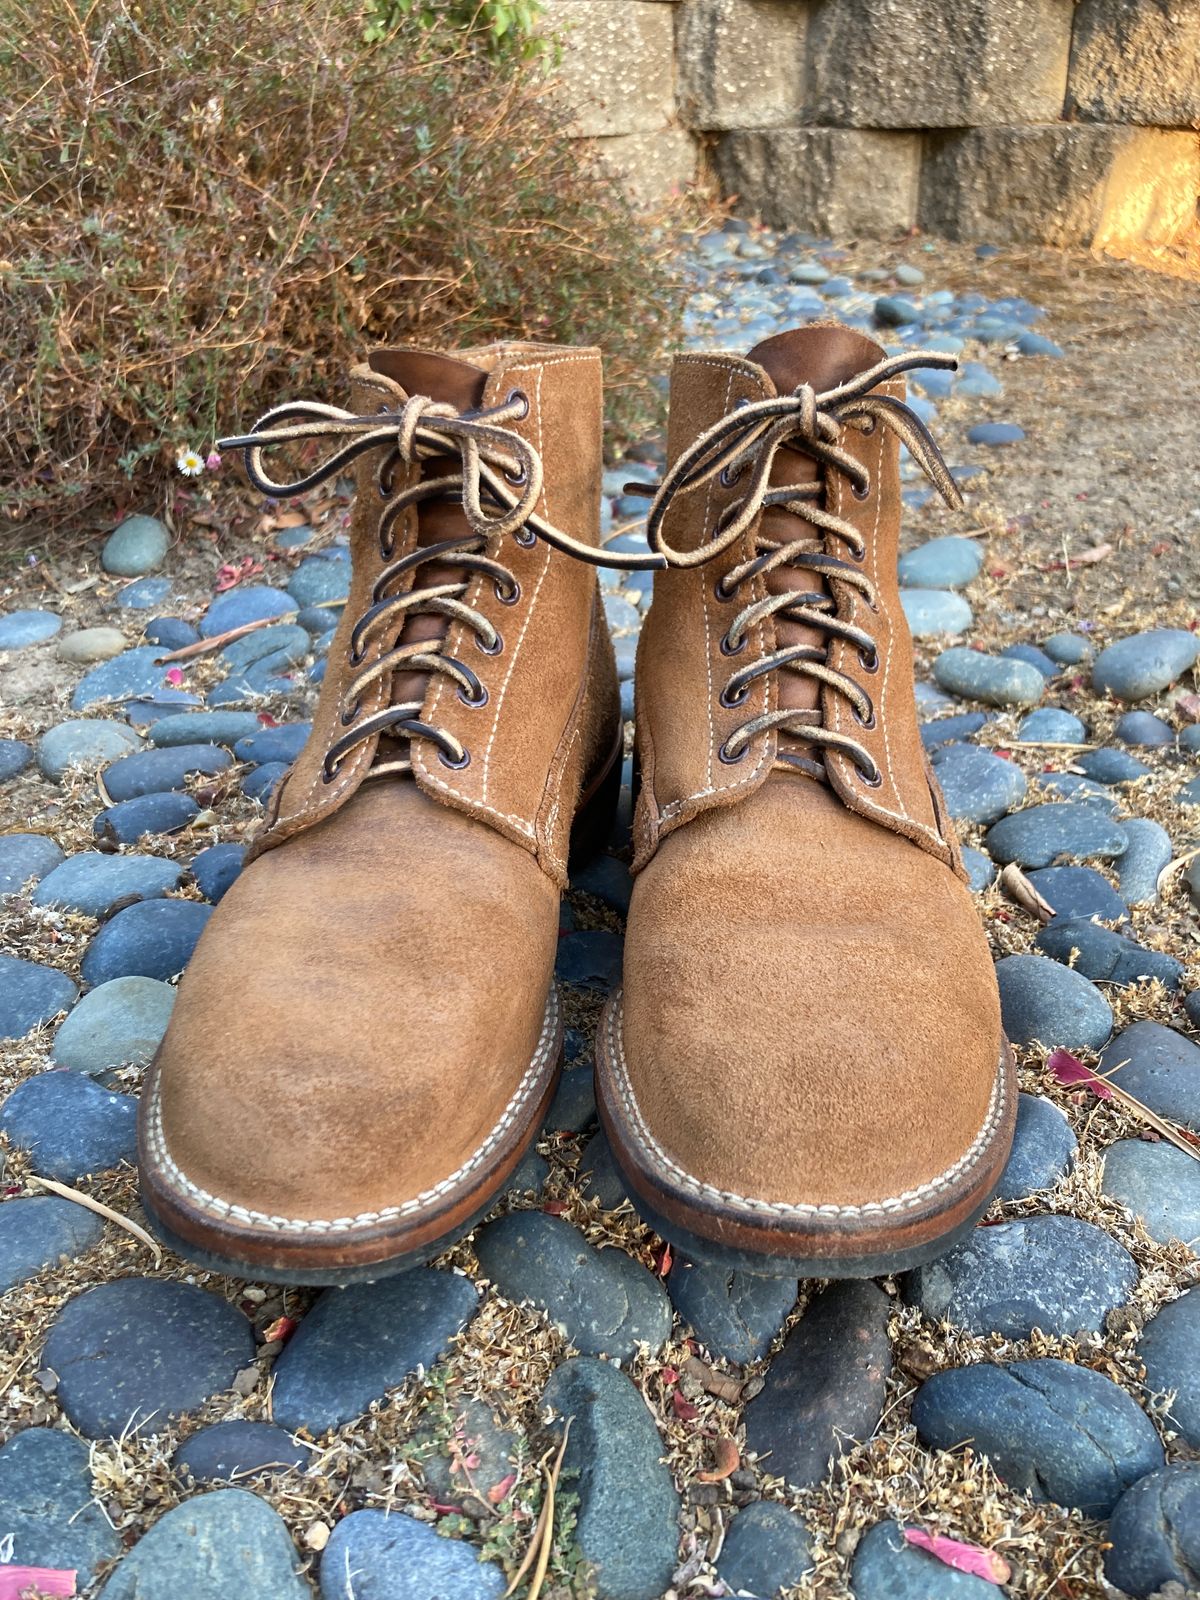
(190, 463)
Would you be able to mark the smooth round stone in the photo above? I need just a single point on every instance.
(1043, 1001)
(1189, 739)
(1037, 344)
(30, 995)
(977, 786)
(144, 711)
(212, 1547)
(282, 744)
(1079, 892)
(887, 1567)
(597, 1174)
(1148, 852)
(93, 884)
(1154, 1535)
(1104, 956)
(627, 1522)
(1160, 1068)
(157, 771)
(996, 680)
(1145, 730)
(34, 1233)
(19, 629)
(981, 871)
(930, 699)
(120, 1024)
(607, 1302)
(1068, 649)
(952, 730)
(91, 644)
(83, 743)
(70, 1125)
(1111, 766)
(909, 276)
(574, 1105)
(937, 385)
(893, 311)
(319, 621)
(293, 538)
(1054, 1273)
(239, 606)
(355, 1344)
(133, 675)
(529, 1175)
(172, 633)
(26, 858)
(766, 1549)
(1058, 1431)
(46, 1495)
(1158, 1183)
(930, 612)
(216, 868)
(608, 879)
(625, 654)
(136, 1351)
(132, 820)
(591, 959)
(477, 1456)
(622, 616)
(317, 579)
(1170, 1349)
(1043, 1149)
(945, 563)
(238, 1449)
(826, 1387)
(733, 1314)
(394, 1557)
(15, 756)
(1049, 725)
(260, 784)
(1035, 658)
(191, 728)
(1191, 1006)
(975, 382)
(136, 546)
(1073, 787)
(144, 594)
(1041, 835)
(257, 659)
(1189, 795)
(995, 434)
(1145, 663)
(154, 939)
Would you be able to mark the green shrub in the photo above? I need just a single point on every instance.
(208, 207)
(502, 27)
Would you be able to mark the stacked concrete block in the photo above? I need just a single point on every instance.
(741, 63)
(834, 180)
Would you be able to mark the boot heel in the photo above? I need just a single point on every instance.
(593, 826)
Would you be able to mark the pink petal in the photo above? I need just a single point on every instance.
(175, 676)
(971, 1558)
(1068, 1070)
(16, 1582)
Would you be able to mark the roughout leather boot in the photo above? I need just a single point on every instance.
(367, 1037)
(805, 1072)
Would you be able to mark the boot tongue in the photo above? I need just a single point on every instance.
(823, 357)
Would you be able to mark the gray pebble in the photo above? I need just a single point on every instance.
(1158, 1183)
(995, 680)
(1043, 1149)
(1043, 1001)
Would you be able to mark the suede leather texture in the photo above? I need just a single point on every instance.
(367, 1007)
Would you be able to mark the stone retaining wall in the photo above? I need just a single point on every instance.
(1053, 121)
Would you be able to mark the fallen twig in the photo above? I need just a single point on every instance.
(102, 1210)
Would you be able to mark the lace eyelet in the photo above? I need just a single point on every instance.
(455, 766)
(517, 479)
(472, 701)
(490, 649)
(349, 716)
(737, 698)
(723, 754)
(867, 722)
(858, 554)
(518, 397)
(722, 591)
(526, 538)
(861, 494)
(508, 597)
(868, 427)
(869, 662)
(329, 773)
(729, 476)
(728, 649)
(871, 779)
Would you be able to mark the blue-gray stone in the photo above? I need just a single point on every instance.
(133, 675)
(70, 1125)
(228, 1450)
(1074, 787)
(216, 868)
(26, 858)
(19, 629)
(1154, 1535)
(1145, 730)
(977, 785)
(120, 1024)
(995, 434)
(158, 771)
(1049, 725)
(813, 272)
(172, 633)
(996, 680)
(766, 1549)
(934, 611)
(1068, 649)
(826, 1387)
(734, 1314)
(92, 883)
(981, 871)
(1043, 1001)
(607, 1302)
(1043, 1149)
(930, 699)
(529, 1174)
(260, 784)
(975, 382)
(133, 1352)
(835, 289)
(34, 1233)
(908, 275)
(355, 1344)
(1104, 956)
(887, 1567)
(1110, 766)
(1060, 1432)
(143, 712)
(945, 563)
(46, 1495)
(239, 606)
(1037, 344)
(1158, 1183)
(136, 546)
(228, 1542)
(1160, 1068)
(893, 311)
(952, 730)
(1074, 892)
(1189, 739)
(937, 384)
(30, 995)
(590, 959)
(597, 1175)
(154, 939)
(1145, 663)
(608, 879)
(382, 1556)
(627, 1525)
(1170, 1350)
(1042, 835)
(144, 594)
(625, 651)
(15, 756)
(1189, 795)
(191, 728)
(319, 622)
(316, 580)
(574, 1105)
(1191, 1006)
(622, 617)
(1058, 1274)
(132, 820)
(257, 659)
(1147, 853)
(83, 743)
(1033, 656)
(283, 743)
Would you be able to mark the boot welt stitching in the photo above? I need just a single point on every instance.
(365, 1219)
(910, 1199)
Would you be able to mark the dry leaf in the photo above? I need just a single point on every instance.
(725, 1461)
(973, 1558)
(713, 1382)
(1085, 558)
(1018, 888)
(56, 1583)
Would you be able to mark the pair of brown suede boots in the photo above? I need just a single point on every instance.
(804, 1072)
